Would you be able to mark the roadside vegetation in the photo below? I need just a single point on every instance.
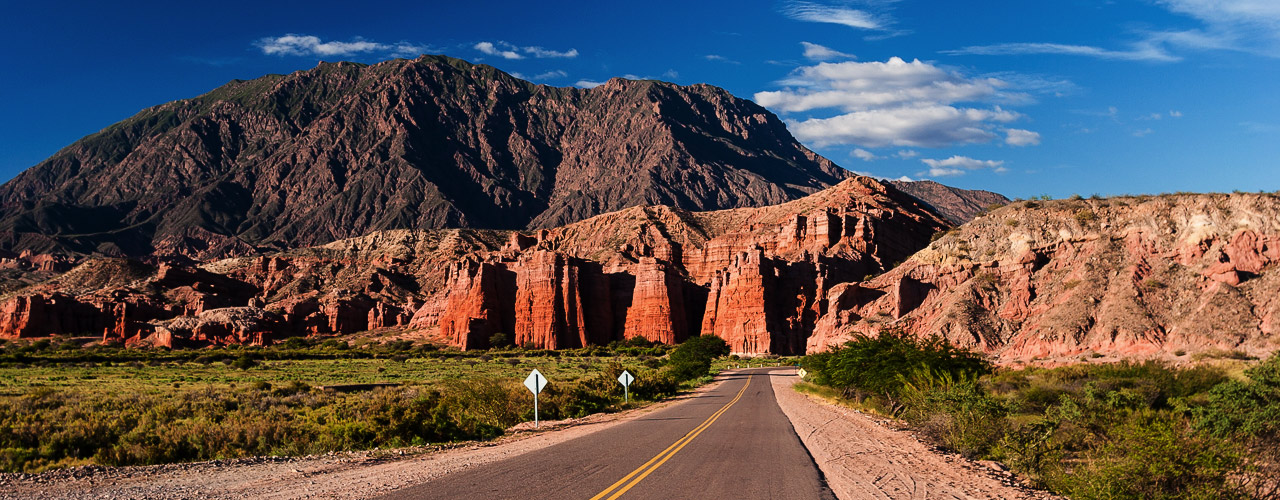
(1092, 431)
(63, 404)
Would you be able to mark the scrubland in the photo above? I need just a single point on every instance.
(63, 404)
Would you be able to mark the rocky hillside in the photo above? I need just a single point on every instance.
(957, 205)
(1169, 277)
(759, 277)
(344, 149)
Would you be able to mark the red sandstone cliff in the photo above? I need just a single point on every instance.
(756, 277)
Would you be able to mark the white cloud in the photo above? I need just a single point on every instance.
(306, 45)
(853, 86)
(959, 165)
(1251, 26)
(553, 74)
(1143, 132)
(1175, 114)
(1139, 52)
(925, 126)
(907, 153)
(815, 52)
(511, 51)
(719, 58)
(542, 53)
(891, 103)
(671, 74)
(493, 50)
(818, 13)
(587, 84)
(1019, 137)
(1245, 25)
(865, 155)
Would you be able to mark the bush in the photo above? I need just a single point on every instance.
(692, 358)
(244, 363)
(868, 366)
(1152, 455)
(953, 410)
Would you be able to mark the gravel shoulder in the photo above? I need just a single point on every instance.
(349, 475)
(863, 458)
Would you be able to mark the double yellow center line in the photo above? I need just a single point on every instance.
(643, 471)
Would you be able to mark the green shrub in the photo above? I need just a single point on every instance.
(692, 358)
(1153, 455)
(868, 366)
(952, 409)
(244, 363)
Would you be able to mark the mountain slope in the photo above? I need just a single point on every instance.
(957, 205)
(345, 149)
(1168, 277)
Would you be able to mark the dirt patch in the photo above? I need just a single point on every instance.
(863, 458)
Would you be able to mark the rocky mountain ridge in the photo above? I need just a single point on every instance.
(345, 149)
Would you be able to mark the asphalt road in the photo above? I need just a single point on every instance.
(731, 442)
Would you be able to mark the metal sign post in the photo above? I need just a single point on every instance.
(535, 382)
(626, 379)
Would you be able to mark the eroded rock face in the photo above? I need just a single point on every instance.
(758, 277)
(230, 325)
(1068, 280)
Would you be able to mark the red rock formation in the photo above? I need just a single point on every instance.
(473, 306)
(739, 305)
(39, 315)
(758, 277)
(657, 309)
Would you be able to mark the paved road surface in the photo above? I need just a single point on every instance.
(731, 442)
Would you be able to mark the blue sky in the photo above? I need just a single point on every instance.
(1023, 98)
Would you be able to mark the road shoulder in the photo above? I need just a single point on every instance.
(862, 458)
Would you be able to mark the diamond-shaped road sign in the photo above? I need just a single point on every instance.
(626, 378)
(535, 382)
(801, 372)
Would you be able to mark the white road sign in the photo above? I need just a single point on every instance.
(801, 372)
(626, 379)
(535, 382)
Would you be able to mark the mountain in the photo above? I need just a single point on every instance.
(344, 149)
(1173, 277)
(757, 277)
(957, 205)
